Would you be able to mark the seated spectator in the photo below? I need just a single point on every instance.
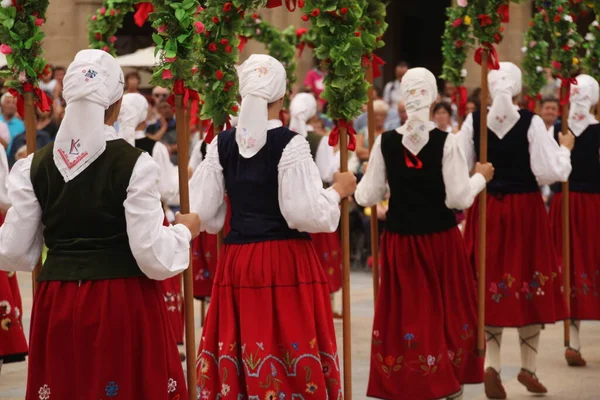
(362, 143)
(19, 141)
(47, 122)
(9, 116)
(165, 129)
(549, 111)
(442, 116)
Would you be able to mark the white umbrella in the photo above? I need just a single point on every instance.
(143, 58)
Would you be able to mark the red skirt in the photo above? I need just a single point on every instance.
(424, 332)
(103, 339)
(13, 346)
(329, 250)
(204, 262)
(269, 331)
(171, 289)
(523, 278)
(585, 253)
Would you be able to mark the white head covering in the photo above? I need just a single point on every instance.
(262, 81)
(419, 91)
(134, 111)
(505, 83)
(93, 82)
(302, 108)
(584, 95)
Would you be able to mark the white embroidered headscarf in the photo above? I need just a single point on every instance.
(419, 91)
(262, 81)
(134, 111)
(302, 108)
(93, 82)
(584, 95)
(505, 83)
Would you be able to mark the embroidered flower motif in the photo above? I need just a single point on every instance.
(5, 323)
(540, 292)
(17, 313)
(220, 346)
(311, 388)
(172, 385)
(4, 308)
(281, 396)
(204, 366)
(327, 368)
(260, 345)
(376, 333)
(409, 336)
(262, 71)
(112, 389)
(225, 389)
(429, 364)
(44, 392)
(430, 360)
(271, 395)
(451, 355)
(205, 394)
(273, 370)
(390, 364)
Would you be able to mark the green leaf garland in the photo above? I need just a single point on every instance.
(566, 39)
(455, 43)
(535, 49)
(591, 61)
(104, 24)
(21, 37)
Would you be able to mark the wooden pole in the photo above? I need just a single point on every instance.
(566, 239)
(30, 142)
(345, 225)
(483, 155)
(183, 145)
(374, 219)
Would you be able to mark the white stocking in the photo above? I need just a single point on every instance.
(529, 338)
(575, 344)
(494, 342)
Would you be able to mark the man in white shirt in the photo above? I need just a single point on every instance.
(391, 93)
(549, 112)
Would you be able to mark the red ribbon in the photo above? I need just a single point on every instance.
(41, 99)
(142, 11)
(300, 32)
(460, 97)
(503, 11)
(188, 94)
(493, 61)
(532, 101)
(377, 64)
(408, 160)
(334, 136)
(243, 41)
(566, 82)
(210, 135)
(290, 4)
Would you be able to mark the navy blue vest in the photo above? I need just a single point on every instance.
(585, 176)
(418, 196)
(510, 157)
(253, 189)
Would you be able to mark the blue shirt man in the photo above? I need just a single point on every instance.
(9, 116)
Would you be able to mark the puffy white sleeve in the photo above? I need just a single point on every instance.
(21, 235)
(207, 191)
(372, 188)
(4, 201)
(461, 189)
(168, 178)
(550, 162)
(303, 202)
(160, 251)
(466, 141)
(327, 160)
(196, 157)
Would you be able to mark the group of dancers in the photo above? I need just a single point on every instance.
(99, 325)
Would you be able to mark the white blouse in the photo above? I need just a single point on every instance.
(327, 160)
(549, 161)
(303, 202)
(460, 189)
(196, 157)
(161, 252)
(4, 202)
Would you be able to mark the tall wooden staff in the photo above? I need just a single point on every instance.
(482, 233)
(31, 143)
(374, 219)
(566, 234)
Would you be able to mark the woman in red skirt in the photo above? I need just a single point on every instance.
(303, 110)
(584, 205)
(99, 327)
(424, 342)
(13, 346)
(269, 332)
(523, 278)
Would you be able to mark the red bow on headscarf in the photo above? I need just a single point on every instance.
(377, 63)
(493, 61)
(334, 136)
(290, 4)
(210, 134)
(565, 95)
(188, 94)
(41, 99)
(532, 101)
(503, 12)
(243, 41)
(460, 98)
(142, 11)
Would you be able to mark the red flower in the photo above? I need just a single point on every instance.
(457, 22)
(344, 10)
(459, 43)
(224, 41)
(557, 18)
(5, 49)
(484, 20)
(228, 49)
(199, 9)
(301, 3)
(98, 36)
(94, 17)
(194, 70)
(219, 74)
(305, 18)
(199, 27)
(235, 109)
(497, 38)
(106, 49)
(167, 74)
(566, 47)
(212, 47)
(531, 24)
(390, 361)
(161, 29)
(357, 34)
(316, 12)
(556, 65)
(39, 21)
(113, 12)
(215, 20)
(560, 9)
(228, 86)
(103, 11)
(255, 16)
(227, 7)
(113, 39)
(170, 60)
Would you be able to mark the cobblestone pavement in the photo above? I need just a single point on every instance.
(562, 382)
